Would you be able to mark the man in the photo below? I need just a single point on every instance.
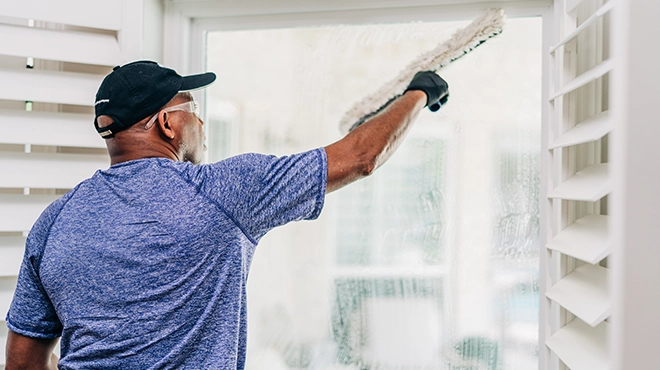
(145, 264)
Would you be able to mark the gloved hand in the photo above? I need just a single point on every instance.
(436, 89)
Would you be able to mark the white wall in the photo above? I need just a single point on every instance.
(152, 30)
(636, 205)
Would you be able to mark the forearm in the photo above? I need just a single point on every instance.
(30, 353)
(383, 134)
(368, 146)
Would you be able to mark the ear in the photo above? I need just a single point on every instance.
(103, 121)
(165, 125)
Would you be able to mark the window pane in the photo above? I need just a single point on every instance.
(395, 217)
(430, 263)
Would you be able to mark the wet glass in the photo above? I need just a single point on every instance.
(430, 263)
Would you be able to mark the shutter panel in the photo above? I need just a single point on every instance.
(100, 14)
(577, 286)
(49, 86)
(633, 339)
(583, 292)
(36, 128)
(12, 252)
(20, 211)
(580, 346)
(7, 285)
(42, 43)
(53, 56)
(591, 129)
(585, 239)
(584, 78)
(48, 171)
(588, 185)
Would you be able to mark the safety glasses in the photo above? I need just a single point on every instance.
(189, 106)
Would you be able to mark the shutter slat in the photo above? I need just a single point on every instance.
(584, 293)
(585, 239)
(18, 212)
(11, 249)
(46, 170)
(571, 5)
(7, 287)
(591, 20)
(49, 86)
(589, 185)
(580, 346)
(37, 128)
(85, 13)
(591, 129)
(583, 79)
(65, 46)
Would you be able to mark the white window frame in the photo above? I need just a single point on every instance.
(187, 22)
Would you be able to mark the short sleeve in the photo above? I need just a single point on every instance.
(261, 192)
(31, 312)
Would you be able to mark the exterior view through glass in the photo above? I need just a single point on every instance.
(430, 263)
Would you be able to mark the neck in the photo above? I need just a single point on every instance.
(132, 148)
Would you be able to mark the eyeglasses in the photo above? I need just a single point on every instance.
(189, 106)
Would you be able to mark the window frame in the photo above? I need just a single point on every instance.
(187, 22)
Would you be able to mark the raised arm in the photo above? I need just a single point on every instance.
(369, 145)
(30, 353)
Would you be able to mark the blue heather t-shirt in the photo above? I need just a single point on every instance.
(145, 265)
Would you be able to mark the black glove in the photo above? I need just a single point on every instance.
(436, 89)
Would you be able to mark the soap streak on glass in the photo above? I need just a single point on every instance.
(430, 263)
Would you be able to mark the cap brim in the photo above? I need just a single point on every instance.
(194, 82)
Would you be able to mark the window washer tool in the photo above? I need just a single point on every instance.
(486, 26)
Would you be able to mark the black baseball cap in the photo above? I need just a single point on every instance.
(137, 90)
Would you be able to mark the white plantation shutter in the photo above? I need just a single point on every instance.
(635, 202)
(577, 292)
(53, 56)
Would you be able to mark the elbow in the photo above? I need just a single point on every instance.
(367, 166)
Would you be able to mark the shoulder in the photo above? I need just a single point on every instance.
(244, 160)
(254, 164)
(40, 230)
(240, 165)
(52, 211)
(266, 160)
